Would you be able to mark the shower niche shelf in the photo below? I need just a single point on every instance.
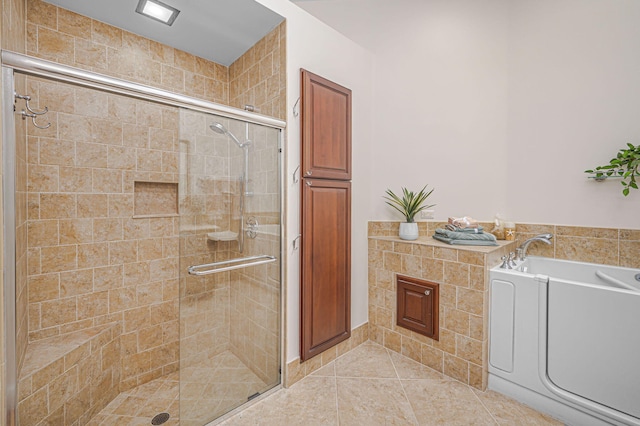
(222, 236)
(155, 199)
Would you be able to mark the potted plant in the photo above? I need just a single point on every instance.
(409, 205)
(626, 165)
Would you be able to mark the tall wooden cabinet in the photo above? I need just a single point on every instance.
(325, 292)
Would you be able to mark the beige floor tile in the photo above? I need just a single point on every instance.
(510, 412)
(367, 360)
(328, 370)
(373, 402)
(311, 401)
(367, 386)
(445, 402)
(410, 369)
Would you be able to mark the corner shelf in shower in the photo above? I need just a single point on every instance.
(222, 236)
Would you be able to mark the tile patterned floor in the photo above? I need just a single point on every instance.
(367, 386)
(374, 386)
(209, 389)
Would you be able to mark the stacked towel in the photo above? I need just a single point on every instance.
(454, 228)
(465, 238)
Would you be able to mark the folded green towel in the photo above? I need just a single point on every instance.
(453, 228)
(465, 235)
(464, 242)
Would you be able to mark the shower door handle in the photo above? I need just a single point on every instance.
(229, 265)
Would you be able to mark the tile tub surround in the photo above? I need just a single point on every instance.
(609, 246)
(462, 272)
(465, 324)
(372, 385)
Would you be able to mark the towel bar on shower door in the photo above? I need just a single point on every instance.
(238, 263)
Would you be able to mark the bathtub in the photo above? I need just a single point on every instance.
(564, 338)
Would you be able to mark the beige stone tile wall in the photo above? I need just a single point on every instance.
(90, 262)
(208, 197)
(297, 370)
(13, 25)
(12, 37)
(255, 300)
(63, 36)
(258, 77)
(461, 351)
(81, 174)
(70, 378)
(611, 246)
(464, 276)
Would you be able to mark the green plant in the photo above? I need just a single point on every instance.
(411, 203)
(625, 165)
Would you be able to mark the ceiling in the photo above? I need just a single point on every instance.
(364, 21)
(218, 30)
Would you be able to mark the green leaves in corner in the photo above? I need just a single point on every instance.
(626, 165)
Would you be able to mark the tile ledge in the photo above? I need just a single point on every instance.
(428, 241)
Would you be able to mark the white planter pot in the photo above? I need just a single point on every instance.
(408, 231)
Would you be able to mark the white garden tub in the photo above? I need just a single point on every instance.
(565, 339)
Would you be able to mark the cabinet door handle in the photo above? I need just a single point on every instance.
(427, 292)
(309, 172)
(308, 183)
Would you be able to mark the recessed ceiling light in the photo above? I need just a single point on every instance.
(158, 11)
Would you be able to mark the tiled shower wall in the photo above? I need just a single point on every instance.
(12, 37)
(56, 34)
(90, 260)
(255, 291)
(258, 77)
(208, 196)
(63, 36)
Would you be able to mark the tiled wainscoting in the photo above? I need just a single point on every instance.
(463, 275)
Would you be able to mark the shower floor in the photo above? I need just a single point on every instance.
(209, 389)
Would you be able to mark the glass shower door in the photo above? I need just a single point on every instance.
(230, 280)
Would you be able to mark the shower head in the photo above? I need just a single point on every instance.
(219, 128)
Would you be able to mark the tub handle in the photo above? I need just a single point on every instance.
(614, 281)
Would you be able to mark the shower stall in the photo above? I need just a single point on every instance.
(142, 251)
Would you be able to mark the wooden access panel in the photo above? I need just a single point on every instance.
(326, 128)
(325, 309)
(418, 305)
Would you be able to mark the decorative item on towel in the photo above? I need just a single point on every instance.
(465, 238)
(463, 222)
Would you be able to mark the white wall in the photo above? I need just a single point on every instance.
(497, 104)
(574, 101)
(440, 91)
(501, 104)
(318, 48)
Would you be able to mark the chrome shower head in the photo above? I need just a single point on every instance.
(219, 128)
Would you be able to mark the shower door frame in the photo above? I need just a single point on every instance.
(13, 62)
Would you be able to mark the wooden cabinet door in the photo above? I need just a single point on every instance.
(326, 128)
(418, 305)
(325, 309)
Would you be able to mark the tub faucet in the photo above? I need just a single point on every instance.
(522, 249)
